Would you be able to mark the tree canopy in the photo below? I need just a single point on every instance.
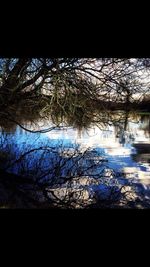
(90, 75)
(70, 85)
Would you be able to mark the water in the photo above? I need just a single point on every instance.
(119, 148)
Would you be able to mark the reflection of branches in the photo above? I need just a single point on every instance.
(62, 170)
(49, 149)
(31, 131)
(66, 192)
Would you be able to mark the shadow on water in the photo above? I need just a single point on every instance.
(87, 158)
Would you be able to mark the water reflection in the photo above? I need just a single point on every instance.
(111, 145)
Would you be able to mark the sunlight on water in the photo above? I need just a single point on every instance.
(113, 143)
(118, 148)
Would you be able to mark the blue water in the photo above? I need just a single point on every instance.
(49, 147)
